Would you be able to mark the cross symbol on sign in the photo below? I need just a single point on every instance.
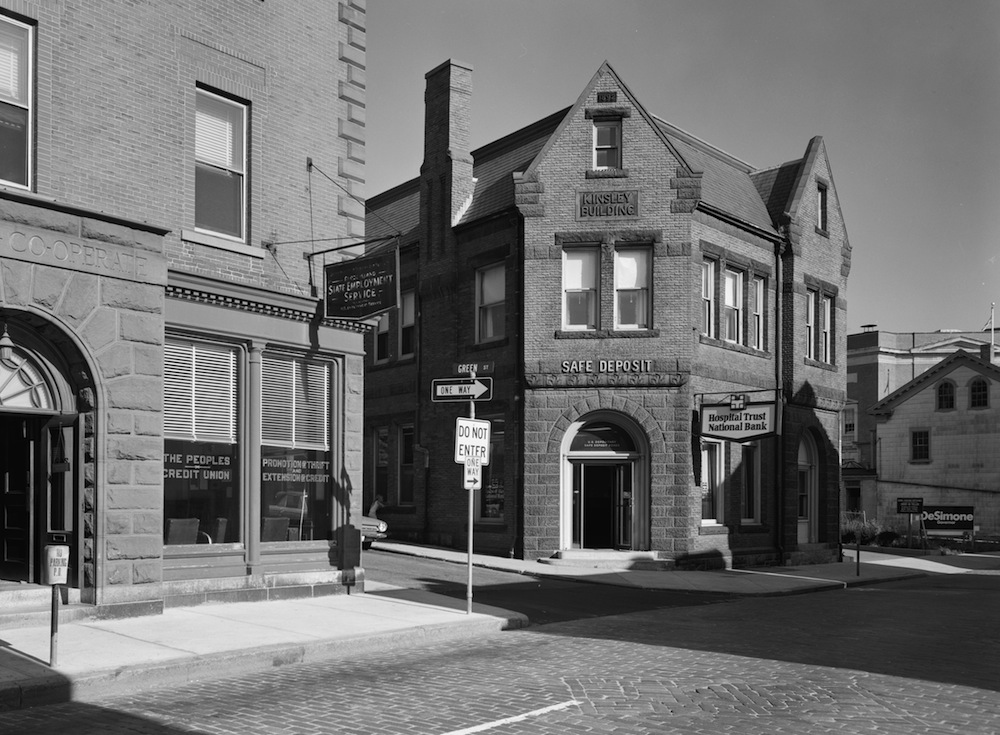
(737, 402)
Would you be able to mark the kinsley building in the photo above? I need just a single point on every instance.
(174, 406)
(653, 327)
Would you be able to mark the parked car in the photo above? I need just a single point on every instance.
(372, 529)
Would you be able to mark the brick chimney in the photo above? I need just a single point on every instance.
(446, 175)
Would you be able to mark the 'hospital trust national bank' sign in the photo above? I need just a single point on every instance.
(738, 421)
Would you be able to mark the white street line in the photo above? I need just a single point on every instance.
(515, 718)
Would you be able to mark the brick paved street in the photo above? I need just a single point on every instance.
(927, 662)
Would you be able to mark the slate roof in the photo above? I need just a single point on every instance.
(757, 197)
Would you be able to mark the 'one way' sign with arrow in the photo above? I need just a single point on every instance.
(462, 389)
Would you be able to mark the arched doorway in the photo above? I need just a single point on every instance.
(605, 501)
(40, 460)
(808, 490)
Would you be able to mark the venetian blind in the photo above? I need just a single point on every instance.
(199, 392)
(13, 56)
(295, 407)
(218, 132)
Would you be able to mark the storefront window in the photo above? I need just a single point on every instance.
(296, 498)
(201, 489)
(490, 500)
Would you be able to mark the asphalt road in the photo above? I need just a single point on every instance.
(920, 657)
(544, 601)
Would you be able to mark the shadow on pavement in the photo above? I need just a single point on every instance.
(87, 719)
(939, 630)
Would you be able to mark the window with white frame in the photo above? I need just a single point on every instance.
(382, 338)
(220, 165)
(607, 143)
(580, 288)
(826, 329)
(750, 494)
(201, 488)
(16, 104)
(811, 298)
(757, 320)
(407, 323)
(708, 298)
(632, 278)
(711, 482)
(490, 289)
(732, 306)
(295, 412)
(295, 488)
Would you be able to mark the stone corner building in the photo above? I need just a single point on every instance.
(614, 275)
(174, 407)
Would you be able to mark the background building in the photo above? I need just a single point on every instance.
(174, 407)
(925, 392)
(616, 275)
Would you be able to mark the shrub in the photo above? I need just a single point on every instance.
(887, 538)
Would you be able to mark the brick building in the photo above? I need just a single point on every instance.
(174, 407)
(618, 277)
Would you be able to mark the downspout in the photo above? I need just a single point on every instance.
(779, 397)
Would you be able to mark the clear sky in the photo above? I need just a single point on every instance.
(906, 94)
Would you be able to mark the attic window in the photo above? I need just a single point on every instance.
(822, 221)
(607, 143)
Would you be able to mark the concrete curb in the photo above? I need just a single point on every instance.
(55, 687)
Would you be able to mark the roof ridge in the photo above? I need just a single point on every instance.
(704, 146)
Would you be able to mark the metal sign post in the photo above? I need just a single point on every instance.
(56, 573)
(472, 450)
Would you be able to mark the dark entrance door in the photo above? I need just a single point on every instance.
(17, 473)
(39, 458)
(602, 505)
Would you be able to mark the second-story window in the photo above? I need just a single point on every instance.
(15, 103)
(220, 165)
(979, 394)
(382, 339)
(708, 298)
(580, 295)
(490, 303)
(732, 307)
(811, 297)
(757, 288)
(826, 329)
(632, 272)
(407, 322)
(946, 396)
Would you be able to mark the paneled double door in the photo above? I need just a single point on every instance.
(602, 504)
(38, 497)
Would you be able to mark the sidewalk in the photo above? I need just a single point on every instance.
(97, 658)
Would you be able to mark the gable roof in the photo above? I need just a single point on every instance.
(760, 198)
(960, 358)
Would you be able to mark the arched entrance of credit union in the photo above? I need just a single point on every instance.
(40, 452)
(605, 496)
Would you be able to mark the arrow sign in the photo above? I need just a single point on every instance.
(462, 389)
